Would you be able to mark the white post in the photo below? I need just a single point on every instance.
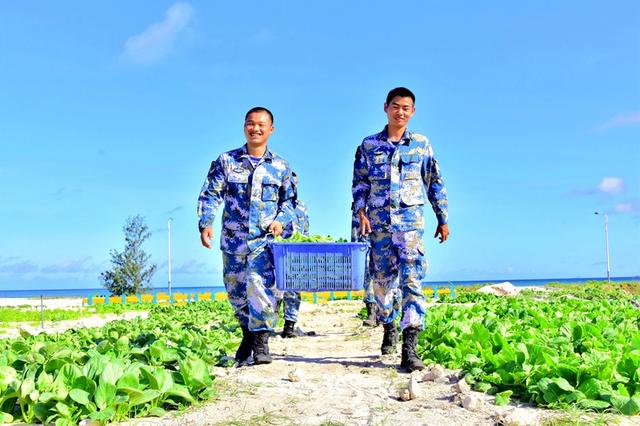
(169, 258)
(606, 244)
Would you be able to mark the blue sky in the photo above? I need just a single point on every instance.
(115, 109)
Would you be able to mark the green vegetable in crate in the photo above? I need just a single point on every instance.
(297, 237)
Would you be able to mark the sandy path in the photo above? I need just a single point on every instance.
(345, 381)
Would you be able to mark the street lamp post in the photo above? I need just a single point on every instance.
(606, 242)
(169, 257)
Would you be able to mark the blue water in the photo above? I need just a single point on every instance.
(84, 292)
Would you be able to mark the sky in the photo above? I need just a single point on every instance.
(109, 110)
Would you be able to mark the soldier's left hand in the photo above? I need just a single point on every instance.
(275, 228)
(443, 232)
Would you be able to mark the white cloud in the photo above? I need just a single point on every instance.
(624, 208)
(70, 266)
(611, 185)
(625, 119)
(22, 267)
(191, 267)
(158, 40)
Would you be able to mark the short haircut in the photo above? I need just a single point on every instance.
(258, 109)
(403, 92)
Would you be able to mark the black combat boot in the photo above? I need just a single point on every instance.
(261, 347)
(410, 359)
(246, 347)
(289, 329)
(390, 339)
(371, 320)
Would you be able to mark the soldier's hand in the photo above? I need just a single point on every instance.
(275, 228)
(205, 237)
(443, 232)
(365, 225)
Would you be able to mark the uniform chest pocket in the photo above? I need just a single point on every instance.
(410, 166)
(379, 168)
(238, 182)
(411, 184)
(239, 177)
(270, 189)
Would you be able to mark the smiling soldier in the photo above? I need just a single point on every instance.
(392, 172)
(255, 185)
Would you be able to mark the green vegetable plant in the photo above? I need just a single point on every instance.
(556, 352)
(123, 369)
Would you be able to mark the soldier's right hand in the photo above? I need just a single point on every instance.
(205, 237)
(365, 225)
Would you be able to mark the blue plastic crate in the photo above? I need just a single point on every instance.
(320, 266)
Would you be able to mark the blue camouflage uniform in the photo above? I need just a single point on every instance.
(292, 299)
(369, 296)
(390, 181)
(254, 197)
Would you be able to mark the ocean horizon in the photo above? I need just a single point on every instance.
(97, 291)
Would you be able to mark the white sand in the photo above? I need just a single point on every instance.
(57, 303)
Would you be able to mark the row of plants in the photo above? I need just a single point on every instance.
(121, 370)
(29, 313)
(557, 351)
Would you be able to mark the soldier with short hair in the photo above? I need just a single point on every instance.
(392, 172)
(254, 183)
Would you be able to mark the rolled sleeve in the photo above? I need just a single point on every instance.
(436, 191)
(211, 195)
(360, 187)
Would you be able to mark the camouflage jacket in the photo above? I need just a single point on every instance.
(253, 198)
(300, 222)
(390, 182)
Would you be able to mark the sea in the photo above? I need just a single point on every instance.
(85, 292)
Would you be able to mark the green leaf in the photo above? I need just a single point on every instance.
(129, 384)
(80, 396)
(7, 376)
(146, 396)
(6, 417)
(180, 391)
(86, 384)
(103, 415)
(482, 386)
(105, 395)
(112, 372)
(44, 382)
(195, 373)
(591, 388)
(68, 373)
(63, 409)
(157, 412)
(577, 332)
(631, 407)
(503, 398)
(563, 384)
(26, 388)
(593, 404)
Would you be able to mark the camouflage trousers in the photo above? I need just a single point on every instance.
(369, 296)
(291, 302)
(398, 263)
(250, 283)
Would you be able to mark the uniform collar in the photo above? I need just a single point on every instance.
(384, 135)
(268, 155)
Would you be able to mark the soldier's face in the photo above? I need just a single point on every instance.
(399, 111)
(258, 128)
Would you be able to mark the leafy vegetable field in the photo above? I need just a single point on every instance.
(556, 352)
(124, 369)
